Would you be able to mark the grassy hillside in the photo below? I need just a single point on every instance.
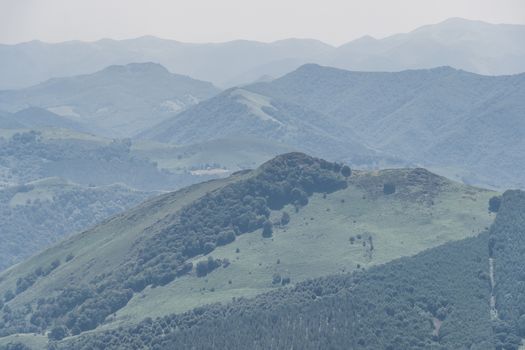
(437, 299)
(118, 101)
(38, 214)
(354, 226)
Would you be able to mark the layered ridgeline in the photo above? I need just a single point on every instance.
(471, 45)
(116, 101)
(439, 299)
(38, 214)
(463, 125)
(293, 219)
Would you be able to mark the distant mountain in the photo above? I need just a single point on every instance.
(469, 126)
(464, 44)
(293, 219)
(39, 213)
(116, 101)
(474, 46)
(239, 113)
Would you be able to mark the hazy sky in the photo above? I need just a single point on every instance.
(333, 21)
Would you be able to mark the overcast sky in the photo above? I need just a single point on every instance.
(332, 21)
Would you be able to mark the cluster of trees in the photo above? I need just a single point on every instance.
(507, 248)
(28, 157)
(214, 219)
(437, 299)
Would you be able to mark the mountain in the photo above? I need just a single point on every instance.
(462, 124)
(35, 118)
(240, 113)
(38, 214)
(116, 101)
(293, 219)
(474, 46)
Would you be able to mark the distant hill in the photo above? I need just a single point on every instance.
(474, 46)
(87, 160)
(293, 219)
(118, 101)
(40, 213)
(239, 113)
(461, 122)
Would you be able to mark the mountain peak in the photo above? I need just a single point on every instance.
(143, 67)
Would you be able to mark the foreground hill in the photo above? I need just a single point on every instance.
(461, 295)
(470, 45)
(116, 101)
(38, 214)
(293, 219)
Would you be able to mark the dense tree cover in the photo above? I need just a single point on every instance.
(494, 204)
(15, 346)
(437, 299)
(37, 215)
(507, 242)
(28, 156)
(214, 219)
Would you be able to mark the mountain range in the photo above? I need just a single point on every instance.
(464, 125)
(492, 49)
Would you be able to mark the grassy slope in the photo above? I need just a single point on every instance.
(101, 248)
(316, 242)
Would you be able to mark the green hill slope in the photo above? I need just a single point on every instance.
(438, 299)
(235, 233)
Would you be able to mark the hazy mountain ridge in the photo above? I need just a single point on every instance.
(470, 45)
(116, 101)
(440, 117)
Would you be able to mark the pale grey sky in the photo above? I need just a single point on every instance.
(332, 21)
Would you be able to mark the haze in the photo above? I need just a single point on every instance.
(336, 22)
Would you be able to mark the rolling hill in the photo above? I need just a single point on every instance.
(293, 219)
(118, 101)
(464, 44)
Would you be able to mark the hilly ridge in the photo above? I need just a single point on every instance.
(116, 101)
(187, 227)
(460, 124)
(465, 44)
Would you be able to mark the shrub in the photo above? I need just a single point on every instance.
(389, 188)
(494, 204)
(276, 278)
(267, 229)
(57, 333)
(346, 171)
(285, 218)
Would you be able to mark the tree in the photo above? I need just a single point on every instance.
(285, 218)
(267, 229)
(9, 295)
(389, 188)
(346, 171)
(494, 204)
(57, 333)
